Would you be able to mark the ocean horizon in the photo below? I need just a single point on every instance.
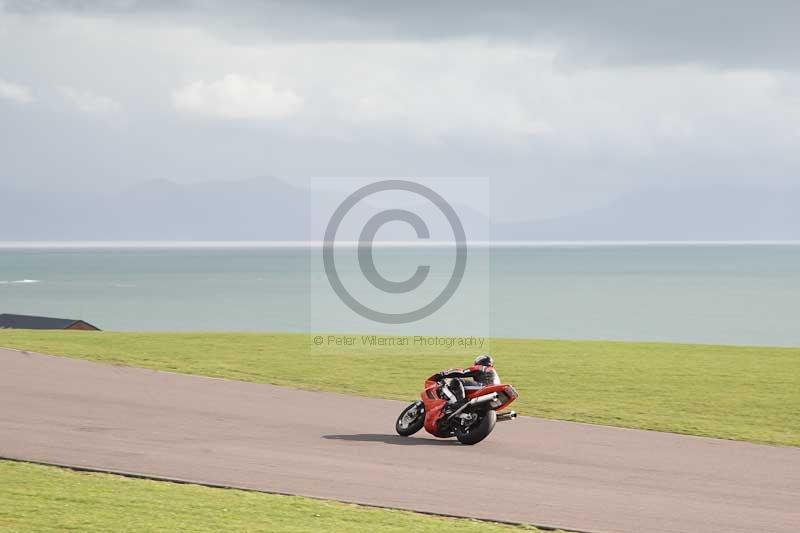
(723, 292)
(415, 243)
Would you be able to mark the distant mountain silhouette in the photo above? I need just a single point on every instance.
(273, 210)
(259, 209)
(702, 214)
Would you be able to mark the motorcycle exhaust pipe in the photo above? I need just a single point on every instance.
(473, 402)
(508, 415)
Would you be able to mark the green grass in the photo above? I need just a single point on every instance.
(744, 393)
(46, 498)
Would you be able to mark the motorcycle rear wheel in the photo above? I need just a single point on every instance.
(478, 431)
(407, 427)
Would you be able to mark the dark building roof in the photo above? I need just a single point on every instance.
(39, 322)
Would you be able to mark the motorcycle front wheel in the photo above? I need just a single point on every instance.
(410, 420)
(477, 431)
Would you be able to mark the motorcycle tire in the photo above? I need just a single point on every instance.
(478, 431)
(410, 427)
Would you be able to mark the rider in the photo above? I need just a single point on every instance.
(481, 373)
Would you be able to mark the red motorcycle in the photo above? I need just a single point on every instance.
(470, 422)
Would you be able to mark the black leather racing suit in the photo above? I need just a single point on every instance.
(478, 376)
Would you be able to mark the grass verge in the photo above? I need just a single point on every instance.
(732, 392)
(46, 498)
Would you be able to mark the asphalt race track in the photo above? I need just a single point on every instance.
(574, 476)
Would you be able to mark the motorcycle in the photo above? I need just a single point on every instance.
(470, 422)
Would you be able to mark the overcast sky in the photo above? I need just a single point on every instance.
(563, 105)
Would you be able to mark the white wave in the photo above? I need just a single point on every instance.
(21, 281)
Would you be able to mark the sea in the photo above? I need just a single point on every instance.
(721, 293)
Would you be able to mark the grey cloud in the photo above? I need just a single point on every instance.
(437, 67)
(93, 6)
(740, 34)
